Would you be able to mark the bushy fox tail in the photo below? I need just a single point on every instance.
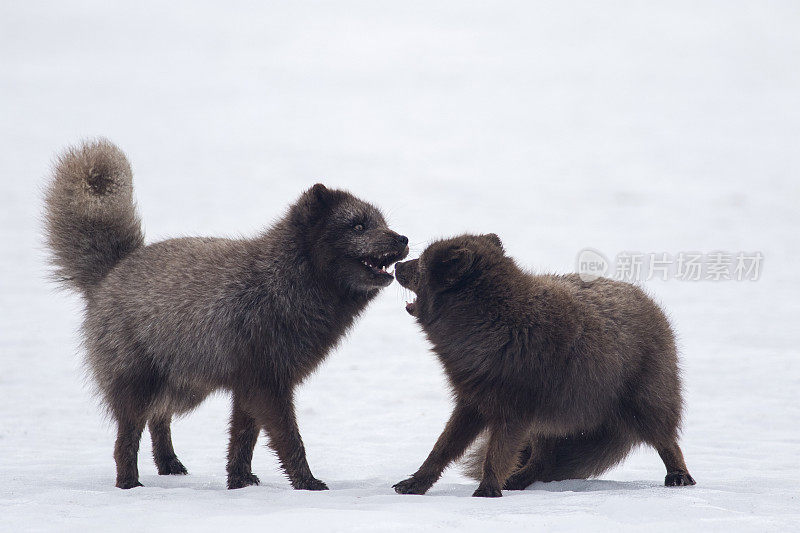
(558, 458)
(90, 217)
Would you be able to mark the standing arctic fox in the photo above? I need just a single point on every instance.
(169, 323)
(565, 376)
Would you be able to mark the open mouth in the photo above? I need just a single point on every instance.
(379, 265)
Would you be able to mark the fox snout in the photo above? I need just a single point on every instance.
(401, 240)
(401, 243)
(405, 272)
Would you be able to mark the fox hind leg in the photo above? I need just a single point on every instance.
(502, 453)
(677, 473)
(163, 453)
(573, 457)
(126, 448)
(243, 436)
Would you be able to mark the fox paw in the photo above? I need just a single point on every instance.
(129, 484)
(171, 466)
(412, 485)
(679, 479)
(238, 481)
(309, 484)
(487, 492)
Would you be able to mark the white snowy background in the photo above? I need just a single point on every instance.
(618, 125)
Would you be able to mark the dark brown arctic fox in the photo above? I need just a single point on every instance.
(167, 324)
(565, 376)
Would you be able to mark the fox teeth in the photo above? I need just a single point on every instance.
(370, 265)
(378, 266)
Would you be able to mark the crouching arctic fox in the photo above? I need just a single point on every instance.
(564, 376)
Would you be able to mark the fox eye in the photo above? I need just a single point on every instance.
(359, 227)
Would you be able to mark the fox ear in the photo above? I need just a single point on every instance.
(451, 265)
(321, 194)
(493, 239)
(312, 205)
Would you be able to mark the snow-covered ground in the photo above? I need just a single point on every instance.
(617, 126)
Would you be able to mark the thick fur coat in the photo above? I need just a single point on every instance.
(563, 376)
(169, 323)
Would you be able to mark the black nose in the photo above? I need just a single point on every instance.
(402, 239)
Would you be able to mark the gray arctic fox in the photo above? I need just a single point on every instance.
(168, 323)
